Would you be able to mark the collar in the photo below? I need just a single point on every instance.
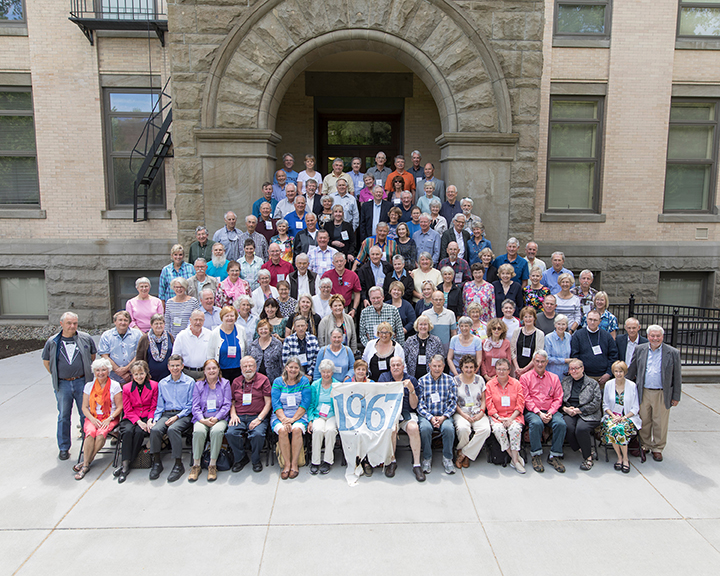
(593, 331)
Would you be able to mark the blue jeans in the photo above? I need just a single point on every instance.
(536, 426)
(447, 431)
(236, 438)
(68, 390)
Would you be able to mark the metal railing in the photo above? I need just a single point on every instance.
(692, 330)
(119, 9)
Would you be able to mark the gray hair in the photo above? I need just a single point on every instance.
(181, 281)
(68, 314)
(323, 282)
(434, 202)
(415, 152)
(655, 328)
(431, 184)
(338, 330)
(375, 289)
(399, 257)
(303, 255)
(100, 363)
(282, 221)
(229, 212)
(200, 229)
(425, 254)
(465, 320)
(200, 261)
(327, 364)
(560, 318)
(296, 360)
(264, 272)
(382, 225)
(142, 280)
(195, 313)
(458, 215)
(585, 272)
(439, 357)
(562, 255)
(243, 298)
(467, 199)
(447, 269)
(542, 354)
(476, 224)
(250, 217)
(208, 291)
(512, 240)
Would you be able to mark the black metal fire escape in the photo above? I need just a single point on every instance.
(92, 15)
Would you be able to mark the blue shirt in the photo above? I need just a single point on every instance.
(653, 369)
(292, 176)
(428, 242)
(412, 227)
(550, 277)
(378, 273)
(357, 180)
(295, 224)
(557, 351)
(472, 250)
(168, 274)
(259, 202)
(175, 395)
(121, 349)
(520, 265)
(230, 340)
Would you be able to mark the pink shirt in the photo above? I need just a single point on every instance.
(542, 393)
(142, 310)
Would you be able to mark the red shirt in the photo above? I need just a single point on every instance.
(260, 388)
(349, 285)
(284, 269)
(542, 393)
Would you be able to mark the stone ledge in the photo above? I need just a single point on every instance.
(697, 44)
(128, 214)
(576, 42)
(577, 217)
(643, 250)
(689, 218)
(23, 213)
(579, 88)
(13, 29)
(57, 247)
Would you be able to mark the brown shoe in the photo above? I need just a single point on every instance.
(212, 473)
(460, 458)
(466, 462)
(657, 456)
(555, 462)
(194, 473)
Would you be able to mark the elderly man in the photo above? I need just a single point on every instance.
(627, 343)
(427, 240)
(356, 177)
(416, 167)
(345, 282)
(596, 348)
(408, 178)
(466, 205)
(173, 416)
(288, 163)
(261, 246)
(346, 199)
(280, 181)
(551, 275)
(251, 404)
(375, 313)
(546, 318)
(119, 345)
(586, 292)
(287, 204)
(429, 176)
(408, 416)
(436, 406)
(68, 356)
(229, 237)
(201, 280)
(250, 264)
(406, 206)
(320, 257)
(456, 233)
(178, 268)
(267, 192)
(314, 200)
(459, 265)
(372, 213)
(307, 237)
(246, 319)
(303, 280)
(191, 343)
(217, 267)
(201, 248)
(266, 223)
(443, 320)
(401, 275)
(387, 246)
(656, 369)
(543, 399)
(279, 269)
(451, 206)
(531, 249)
(329, 185)
(209, 310)
(519, 264)
(380, 172)
(296, 218)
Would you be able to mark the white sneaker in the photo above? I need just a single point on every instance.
(448, 465)
(520, 466)
(427, 466)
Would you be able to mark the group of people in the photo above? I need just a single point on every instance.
(357, 277)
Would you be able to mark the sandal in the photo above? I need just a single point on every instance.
(78, 466)
(285, 474)
(618, 466)
(81, 473)
(294, 473)
(626, 469)
(587, 464)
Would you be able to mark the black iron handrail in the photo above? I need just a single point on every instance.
(119, 9)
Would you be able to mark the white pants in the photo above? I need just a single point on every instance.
(324, 429)
(471, 448)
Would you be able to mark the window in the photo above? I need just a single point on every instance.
(12, 10)
(683, 288)
(691, 156)
(573, 174)
(699, 19)
(132, 9)
(122, 284)
(18, 162)
(23, 294)
(582, 19)
(127, 112)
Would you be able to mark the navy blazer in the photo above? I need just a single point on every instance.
(515, 293)
(365, 228)
(622, 341)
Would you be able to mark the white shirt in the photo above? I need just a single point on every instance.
(193, 349)
(460, 242)
(303, 284)
(321, 307)
(283, 208)
(630, 350)
(540, 264)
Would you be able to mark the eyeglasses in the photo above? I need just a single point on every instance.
(497, 328)
(575, 368)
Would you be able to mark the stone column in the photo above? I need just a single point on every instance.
(479, 164)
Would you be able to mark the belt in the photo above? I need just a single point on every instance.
(194, 369)
(71, 379)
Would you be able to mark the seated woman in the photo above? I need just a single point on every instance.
(271, 313)
(425, 271)
(359, 372)
(379, 351)
(102, 406)
(155, 348)
(144, 306)
(337, 318)
(304, 309)
(581, 410)
(139, 403)
(232, 287)
(495, 346)
(290, 400)
(406, 310)
(321, 415)
(420, 347)
(453, 292)
(479, 327)
(227, 343)
(267, 351)
(621, 421)
(526, 341)
(341, 356)
(179, 307)
(465, 342)
(608, 320)
(210, 409)
(470, 412)
(505, 405)
(535, 292)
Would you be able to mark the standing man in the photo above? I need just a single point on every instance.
(346, 200)
(312, 198)
(546, 318)
(330, 181)
(519, 264)
(280, 182)
(261, 246)
(586, 293)
(201, 248)
(372, 213)
(551, 275)
(443, 320)
(217, 267)
(320, 257)
(429, 171)
(628, 342)
(408, 178)
(178, 268)
(656, 369)
(266, 223)
(287, 204)
(355, 175)
(378, 312)
(459, 266)
(596, 348)
(345, 282)
(456, 233)
(451, 206)
(427, 240)
(191, 343)
(380, 172)
(307, 237)
(302, 281)
(267, 196)
(531, 249)
(288, 163)
(228, 236)
(68, 356)
(119, 345)
(201, 280)
(416, 168)
(210, 311)
(296, 218)
(279, 269)
(388, 246)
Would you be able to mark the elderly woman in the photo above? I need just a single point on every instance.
(210, 409)
(267, 351)
(232, 287)
(476, 243)
(437, 222)
(535, 292)
(246, 318)
(424, 272)
(155, 348)
(495, 346)
(284, 240)
(480, 292)
(303, 309)
(321, 300)
(470, 412)
(326, 215)
(507, 289)
(337, 318)
(452, 290)
(271, 313)
(286, 302)
(490, 272)
(291, 397)
(425, 302)
(406, 310)
(102, 406)
(342, 236)
(394, 215)
(424, 201)
(379, 350)
(608, 321)
(321, 416)
(228, 344)
(359, 372)
(525, 341)
(581, 410)
(568, 303)
(179, 307)
(620, 407)
(479, 328)
(557, 345)
(144, 306)
(421, 347)
(464, 343)
(505, 405)
(365, 195)
(406, 246)
(264, 291)
(139, 400)
(340, 355)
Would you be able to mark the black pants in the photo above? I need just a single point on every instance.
(131, 436)
(579, 433)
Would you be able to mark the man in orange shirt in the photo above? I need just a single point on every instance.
(400, 171)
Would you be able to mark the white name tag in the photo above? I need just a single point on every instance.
(324, 410)
(247, 398)
(434, 397)
(268, 224)
(98, 410)
(280, 277)
(383, 257)
(382, 364)
(422, 360)
(458, 278)
(526, 352)
(586, 308)
(177, 321)
(291, 400)
(378, 182)
(299, 225)
(211, 404)
(303, 359)
(418, 179)
(505, 401)
(232, 351)
(344, 235)
(396, 201)
(597, 350)
(493, 361)
(337, 369)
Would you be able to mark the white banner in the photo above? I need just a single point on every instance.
(366, 414)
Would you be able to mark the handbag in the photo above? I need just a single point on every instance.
(281, 460)
(143, 459)
(225, 460)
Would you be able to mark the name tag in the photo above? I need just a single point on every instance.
(434, 397)
(299, 225)
(378, 182)
(505, 401)
(597, 350)
(418, 179)
(290, 398)
(303, 359)
(212, 404)
(469, 403)
(383, 257)
(526, 352)
(324, 410)
(98, 410)
(268, 224)
(586, 308)
(177, 321)
(247, 398)
(396, 201)
(493, 361)
(382, 364)
(422, 360)
(458, 278)
(344, 235)
(232, 351)
(337, 369)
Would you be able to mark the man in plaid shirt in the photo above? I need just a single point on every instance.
(303, 345)
(320, 257)
(459, 265)
(377, 312)
(436, 406)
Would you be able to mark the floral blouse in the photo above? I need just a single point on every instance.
(483, 295)
(286, 246)
(535, 298)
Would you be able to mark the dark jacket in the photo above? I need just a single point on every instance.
(86, 348)
(314, 205)
(365, 229)
(595, 364)
(302, 242)
(367, 279)
(336, 234)
(406, 280)
(449, 236)
(455, 300)
(589, 400)
(293, 279)
(622, 341)
(515, 293)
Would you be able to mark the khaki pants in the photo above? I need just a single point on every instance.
(655, 418)
(471, 448)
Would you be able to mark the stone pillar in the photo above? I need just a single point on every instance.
(235, 163)
(479, 164)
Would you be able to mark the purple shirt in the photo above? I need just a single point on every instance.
(202, 392)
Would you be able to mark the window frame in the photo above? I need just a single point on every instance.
(583, 36)
(600, 136)
(13, 273)
(116, 279)
(688, 4)
(713, 162)
(110, 155)
(21, 21)
(706, 278)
